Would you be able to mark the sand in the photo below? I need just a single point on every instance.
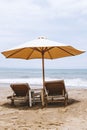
(53, 117)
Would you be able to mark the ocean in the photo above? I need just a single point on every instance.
(74, 78)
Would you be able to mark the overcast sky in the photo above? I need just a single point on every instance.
(64, 21)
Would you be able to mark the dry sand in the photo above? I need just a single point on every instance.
(52, 117)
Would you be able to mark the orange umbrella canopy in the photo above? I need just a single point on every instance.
(41, 48)
(35, 48)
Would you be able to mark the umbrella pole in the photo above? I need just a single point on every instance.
(43, 75)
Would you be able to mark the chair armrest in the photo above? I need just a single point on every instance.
(10, 97)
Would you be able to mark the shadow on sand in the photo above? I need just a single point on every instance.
(24, 106)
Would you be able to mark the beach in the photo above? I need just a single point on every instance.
(53, 117)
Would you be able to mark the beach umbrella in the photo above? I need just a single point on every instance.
(41, 48)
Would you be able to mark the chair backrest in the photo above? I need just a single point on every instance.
(20, 89)
(55, 87)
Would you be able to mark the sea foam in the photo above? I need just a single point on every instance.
(37, 82)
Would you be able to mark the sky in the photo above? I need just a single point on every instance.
(62, 21)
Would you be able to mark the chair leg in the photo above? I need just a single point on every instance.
(46, 102)
(27, 102)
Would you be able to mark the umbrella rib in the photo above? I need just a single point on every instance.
(36, 49)
(33, 49)
(49, 52)
(47, 49)
(30, 54)
(66, 51)
(43, 49)
(50, 55)
(14, 52)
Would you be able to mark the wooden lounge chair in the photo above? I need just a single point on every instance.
(55, 92)
(20, 92)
